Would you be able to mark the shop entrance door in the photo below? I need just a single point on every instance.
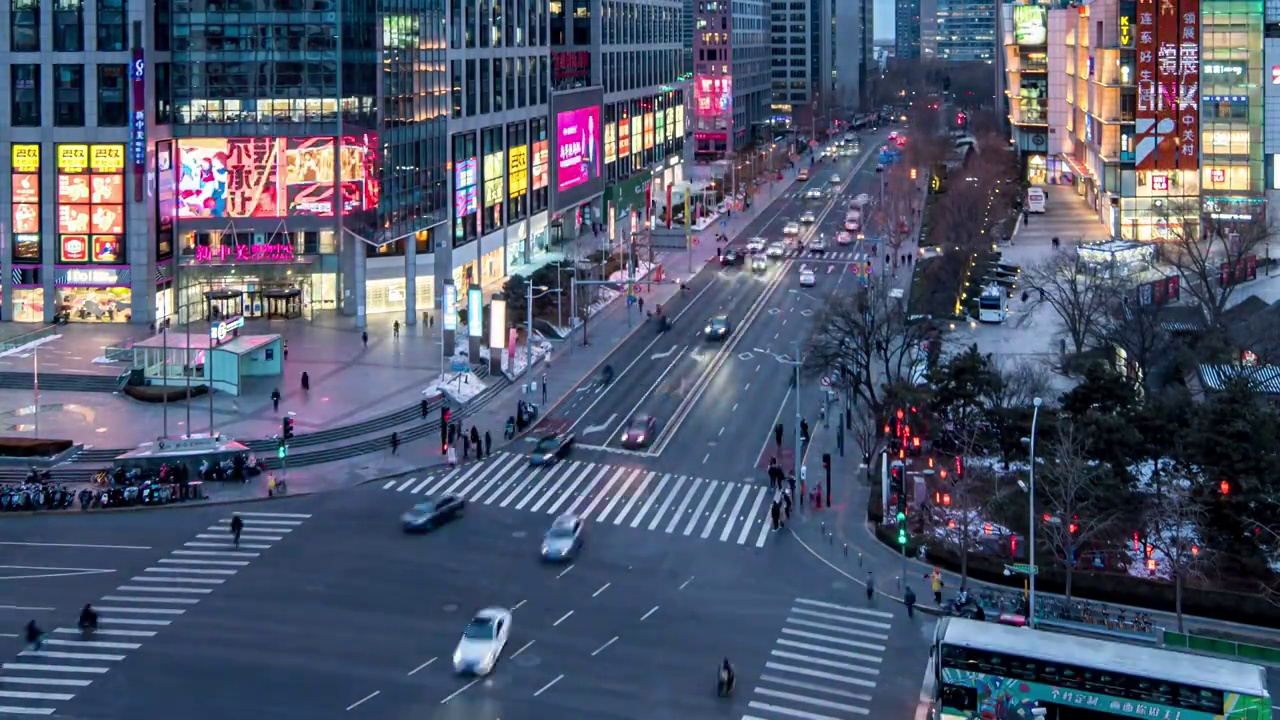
(219, 304)
(284, 303)
(555, 232)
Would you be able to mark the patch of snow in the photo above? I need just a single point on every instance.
(514, 367)
(102, 360)
(459, 387)
(33, 344)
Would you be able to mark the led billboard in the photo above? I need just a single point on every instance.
(577, 139)
(465, 179)
(25, 201)
(713, 95)
(541, 165)
(272, 177)
(90, 203)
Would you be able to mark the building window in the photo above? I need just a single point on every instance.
(68, 26)
(455, 90)
(25, 81)
(113, 108)
(68, 95)
(24, 24)
(484, 86)
(111, 25)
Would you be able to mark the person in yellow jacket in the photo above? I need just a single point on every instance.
(271, 484)
(936, 581)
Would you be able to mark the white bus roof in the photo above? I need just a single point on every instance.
(1147, 662)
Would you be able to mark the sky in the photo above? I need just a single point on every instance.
(884, 19)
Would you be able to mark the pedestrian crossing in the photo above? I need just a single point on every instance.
(69, 662)
(837, 255)
(728, 512)
(824, 665)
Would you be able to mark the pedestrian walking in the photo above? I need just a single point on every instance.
(488, 444)
(871, 587)
(466, 447)
(452, 455)
(395, 330)
(284, 349)
(936, 583)
(791, 482)
(395, 443)
(426, 318)
(775, 510)
(639, 303)
(306, 381)
(424, 405)
(909, 599)
(275, 400)
(364, 338)
(475, 440)
(510, 432)
(544, 388)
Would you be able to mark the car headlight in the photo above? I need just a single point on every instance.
(457, 657)
(546, 549)
(548, 456)
(707, 329)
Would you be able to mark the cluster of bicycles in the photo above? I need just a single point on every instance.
(146, 493)
(35, 496)
(1078, 611)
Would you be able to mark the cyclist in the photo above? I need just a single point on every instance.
(237, 526)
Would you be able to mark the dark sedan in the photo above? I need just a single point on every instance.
(730, 258)
(717, 328)
(433, 513)
(551, 449)
(639, 431)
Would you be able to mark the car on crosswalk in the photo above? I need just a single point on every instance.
(808, 217)
(813, 194)
(844, 238)
(817, 244)
(791, 228)
(807, 277)
(482, 642)
(433, 513)
(563, 540)
(777, 250)
(551, 449)
(756, 245)
(836, 180)
(759, 264)
(639, 432)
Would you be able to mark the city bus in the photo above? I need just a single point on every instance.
(993, 304)
(985, 670)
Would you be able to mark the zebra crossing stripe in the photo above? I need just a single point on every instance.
(755, 508)
(675, 490)
(711, 522)
(635, 498)
(568, 492)
(697, 513)
(586, 492)
(604, 492)
(418, 489)
(458, 480)
(652, 497)
(446, 479)
(688, 496)
(737, 507)
(561, 468)
(406, 484)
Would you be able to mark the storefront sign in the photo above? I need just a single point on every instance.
(475, 312)
(1126, 31)
(266, 252)
(493, 174)
(497, 323)
(541, 166)
(94, 278)
(648, 131)
(518, 171)
(624, 137)
(138, 121)
(637, 134)
(90, 203)
(219, 331)
(24, 200)
(1229, 68)
(1160, 183)
(1030, 25)
(464, 188)
(1188, 108)
(1217, 175)
(450, 310)
(573, 65)
(1144, 126)
(610, 143)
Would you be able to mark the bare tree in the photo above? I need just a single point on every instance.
(1080, 300)
(1174, 522)
(1018, 382)
(867, 430)
(1074, 494)
(895, 209)
(1137, 331)
(1211, 255)
(867, 339)
(960, 523)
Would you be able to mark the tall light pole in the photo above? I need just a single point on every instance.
(528, 327)
(1031, 533)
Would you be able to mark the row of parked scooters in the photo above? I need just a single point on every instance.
(147, 493)
(35, 496)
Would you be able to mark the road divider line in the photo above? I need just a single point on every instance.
(562, 619)
(685, 584)
(564, 572)
(363, 700)
(605, 646)
(460, 690)
(652, 610)
(602, 589)
(422, 666)
(524, 647)
(547, 687)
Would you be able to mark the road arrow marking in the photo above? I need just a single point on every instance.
(663, 355)
(600, 428)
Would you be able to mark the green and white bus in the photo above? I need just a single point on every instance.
(997, 672)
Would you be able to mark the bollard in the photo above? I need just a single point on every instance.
(846, 549)
(831, 539)
(859, 559)
(822, 527)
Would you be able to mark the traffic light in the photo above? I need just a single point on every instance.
(445, 415)
(286, 428)
(1224, 487)
(826, 463)
(902, 528)
(913, 173)
(281, 448)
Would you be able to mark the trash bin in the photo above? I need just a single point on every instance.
(196, 488)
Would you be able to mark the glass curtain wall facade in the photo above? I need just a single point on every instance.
(966, 30)
(1232, 171)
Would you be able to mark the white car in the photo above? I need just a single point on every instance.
(777, 250)
(791, 229)
(813, 194)
(879, 167)
(482, 642)
(852, 224)
(759, 264)
(807, 278)
(756, 245)
(808, 217)
(835, 180)
(844, 238)
(818, 244)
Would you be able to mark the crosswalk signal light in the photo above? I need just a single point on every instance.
(286, 428)
(902, 528)
(913, 173)
(281, 449)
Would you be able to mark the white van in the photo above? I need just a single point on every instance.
(1036, 200)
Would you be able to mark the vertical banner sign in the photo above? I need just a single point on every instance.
(1189, 86)
(497, 323)
(450, 307)
(1145, 119)
(688, 212)
(670, 210)
(138, 121)
(475, 312)
(1167, 27)
(613, 223)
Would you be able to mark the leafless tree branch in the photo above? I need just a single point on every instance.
(1080, 300)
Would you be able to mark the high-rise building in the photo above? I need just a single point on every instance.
(966, 30)
(906, 29)
(801, 62)
(854, 53)
(928, 29)
(731, 83)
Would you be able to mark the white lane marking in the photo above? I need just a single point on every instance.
(363, 700)
(829, 639)
(855, 632)
(54, 655)
(572, 469)
(755, 509)
(766, 525)
(529, 476)
(829, 651)
(815, 687)
(55, 668)
(56, 682)
(702, 504)
(652, 610)
(833, 677)
(98, 644)
(267, 523)
(688, 496)
(498, 485)
(224, 535)
(455, 480)
(133, 599)
(653, 497)
(841, 619)
(423, 665)
(586, 492)
(25, 710)
(666, 502)
(388, 484)
(603, 493)
(547, 687)
(193, 561)
(785, 655)
(194, 581)
(131, 621)
(112, 633)
(215, 553)
(844, 608)
(229, 545)
(77, 545)
(564, 572)
(605, 646)
(803, 714)
(405, 485)
(733, 514)
(618, 494)
(562, 619)
(602, 589)
(524, 647)
(441, 481)
(561, 469)
(142, 611)
(460, 690)
(636, 494)
(482, 482)
(292, 516)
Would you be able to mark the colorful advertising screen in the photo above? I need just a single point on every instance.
(713, 95)
(166, 196)
(624, 137)
(493, 173)
(1030, 25)
(679, 122)
(541, 165)
(637, 134)
(1144, 126)
(90, 186)
(610, 143)
(1188, 108)
(660, 128)
(518, 171)
(25, 199)
(465, 179)
(271, 177)
(577, 147)
(308, 176)
(648, 131)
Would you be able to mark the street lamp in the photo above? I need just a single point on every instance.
(528, 326)
(794, 363)
(1031, 517)
(560, 270)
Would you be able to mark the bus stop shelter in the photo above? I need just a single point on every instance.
(216, 358)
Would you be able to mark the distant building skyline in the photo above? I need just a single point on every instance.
(884, 12)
